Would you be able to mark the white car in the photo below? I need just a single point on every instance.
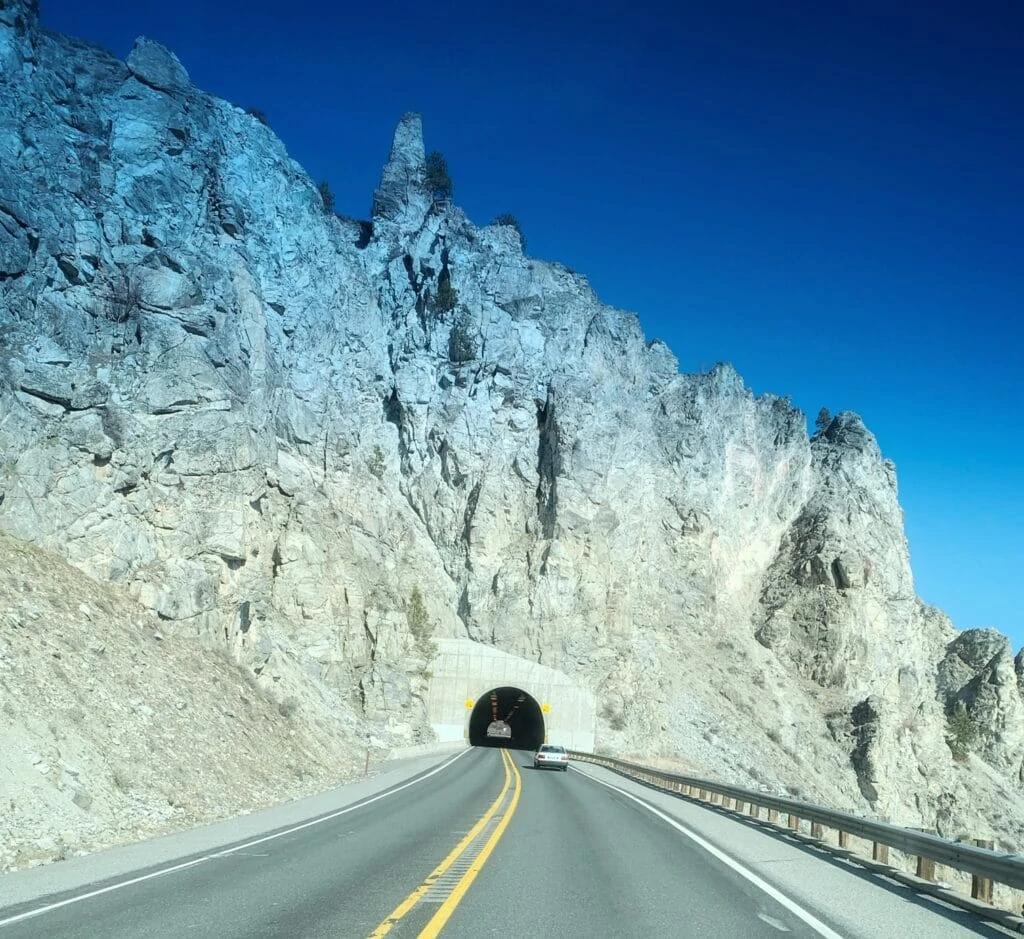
(550, 756)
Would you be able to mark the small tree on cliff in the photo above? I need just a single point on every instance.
(435, 176)
(446, 297)
(420, 625)
(326, 196)
(461, 343)
(822, 421)
(961, 731)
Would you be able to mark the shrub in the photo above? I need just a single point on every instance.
(961, 731)
(416, 614)
(125, 301)
(507, 219)
(420, 626)
(461, 343)
(822, 421)
(376, 462)
(435, 176)
(446, 298)
(326, 196)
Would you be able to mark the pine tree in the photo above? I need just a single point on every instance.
(435, 176)
(326, 196)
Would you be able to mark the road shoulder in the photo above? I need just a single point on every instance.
(60, 877)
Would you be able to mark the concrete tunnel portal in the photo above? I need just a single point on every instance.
(472, 685)
(510, 706)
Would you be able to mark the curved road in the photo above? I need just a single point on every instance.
(484, 845)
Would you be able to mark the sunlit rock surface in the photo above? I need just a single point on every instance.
(266, 426)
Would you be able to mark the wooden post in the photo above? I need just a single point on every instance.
(773, 815)
(844, 839)
(925, 865)
(981, 887)
(740, 806)
(793, 821)
(726, 802)
(816, 831)
(880, 852)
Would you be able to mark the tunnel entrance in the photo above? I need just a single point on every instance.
(506, 717)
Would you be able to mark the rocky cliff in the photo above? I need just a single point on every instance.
(264, 428)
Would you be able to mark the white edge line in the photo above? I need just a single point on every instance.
(809, 918)
(38, 911)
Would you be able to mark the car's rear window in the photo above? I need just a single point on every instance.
(549, 749)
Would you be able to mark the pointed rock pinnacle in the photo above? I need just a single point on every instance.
(403, 170)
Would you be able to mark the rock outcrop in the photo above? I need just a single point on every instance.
(267, 426)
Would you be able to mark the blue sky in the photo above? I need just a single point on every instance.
(828, 195)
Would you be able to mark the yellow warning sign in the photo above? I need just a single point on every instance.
(469, 704)
(546, 708)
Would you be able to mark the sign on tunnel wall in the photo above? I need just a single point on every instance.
(466, 673)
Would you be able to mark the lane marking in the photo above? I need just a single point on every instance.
(442, 916)
(773, 922)
(38, 911)
(467, 851)
(798, 911)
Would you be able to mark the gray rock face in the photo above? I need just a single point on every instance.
(979, 671)
(19, 14)
(156, 66)
(268, 428)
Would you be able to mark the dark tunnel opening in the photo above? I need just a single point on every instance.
(506, 717)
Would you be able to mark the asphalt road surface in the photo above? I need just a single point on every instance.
(488, 846)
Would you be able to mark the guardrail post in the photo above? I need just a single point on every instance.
(925, 865)
(726, 802)
(740, 806)
(755, 810)
(981, 887)
(816, 830)
(793, 821)
(844, 839)
(880, 852)
(702, 793)
(773, 815)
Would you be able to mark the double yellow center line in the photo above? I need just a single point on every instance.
(448, 882)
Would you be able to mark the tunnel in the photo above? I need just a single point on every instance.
(512, 714)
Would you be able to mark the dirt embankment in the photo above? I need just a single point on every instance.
(113, 729)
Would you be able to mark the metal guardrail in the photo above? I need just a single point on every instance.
(985, 865)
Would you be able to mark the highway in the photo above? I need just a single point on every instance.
(481, 844)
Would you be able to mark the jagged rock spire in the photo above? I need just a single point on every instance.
(403, 170)
(19, 14)
(847, 429)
